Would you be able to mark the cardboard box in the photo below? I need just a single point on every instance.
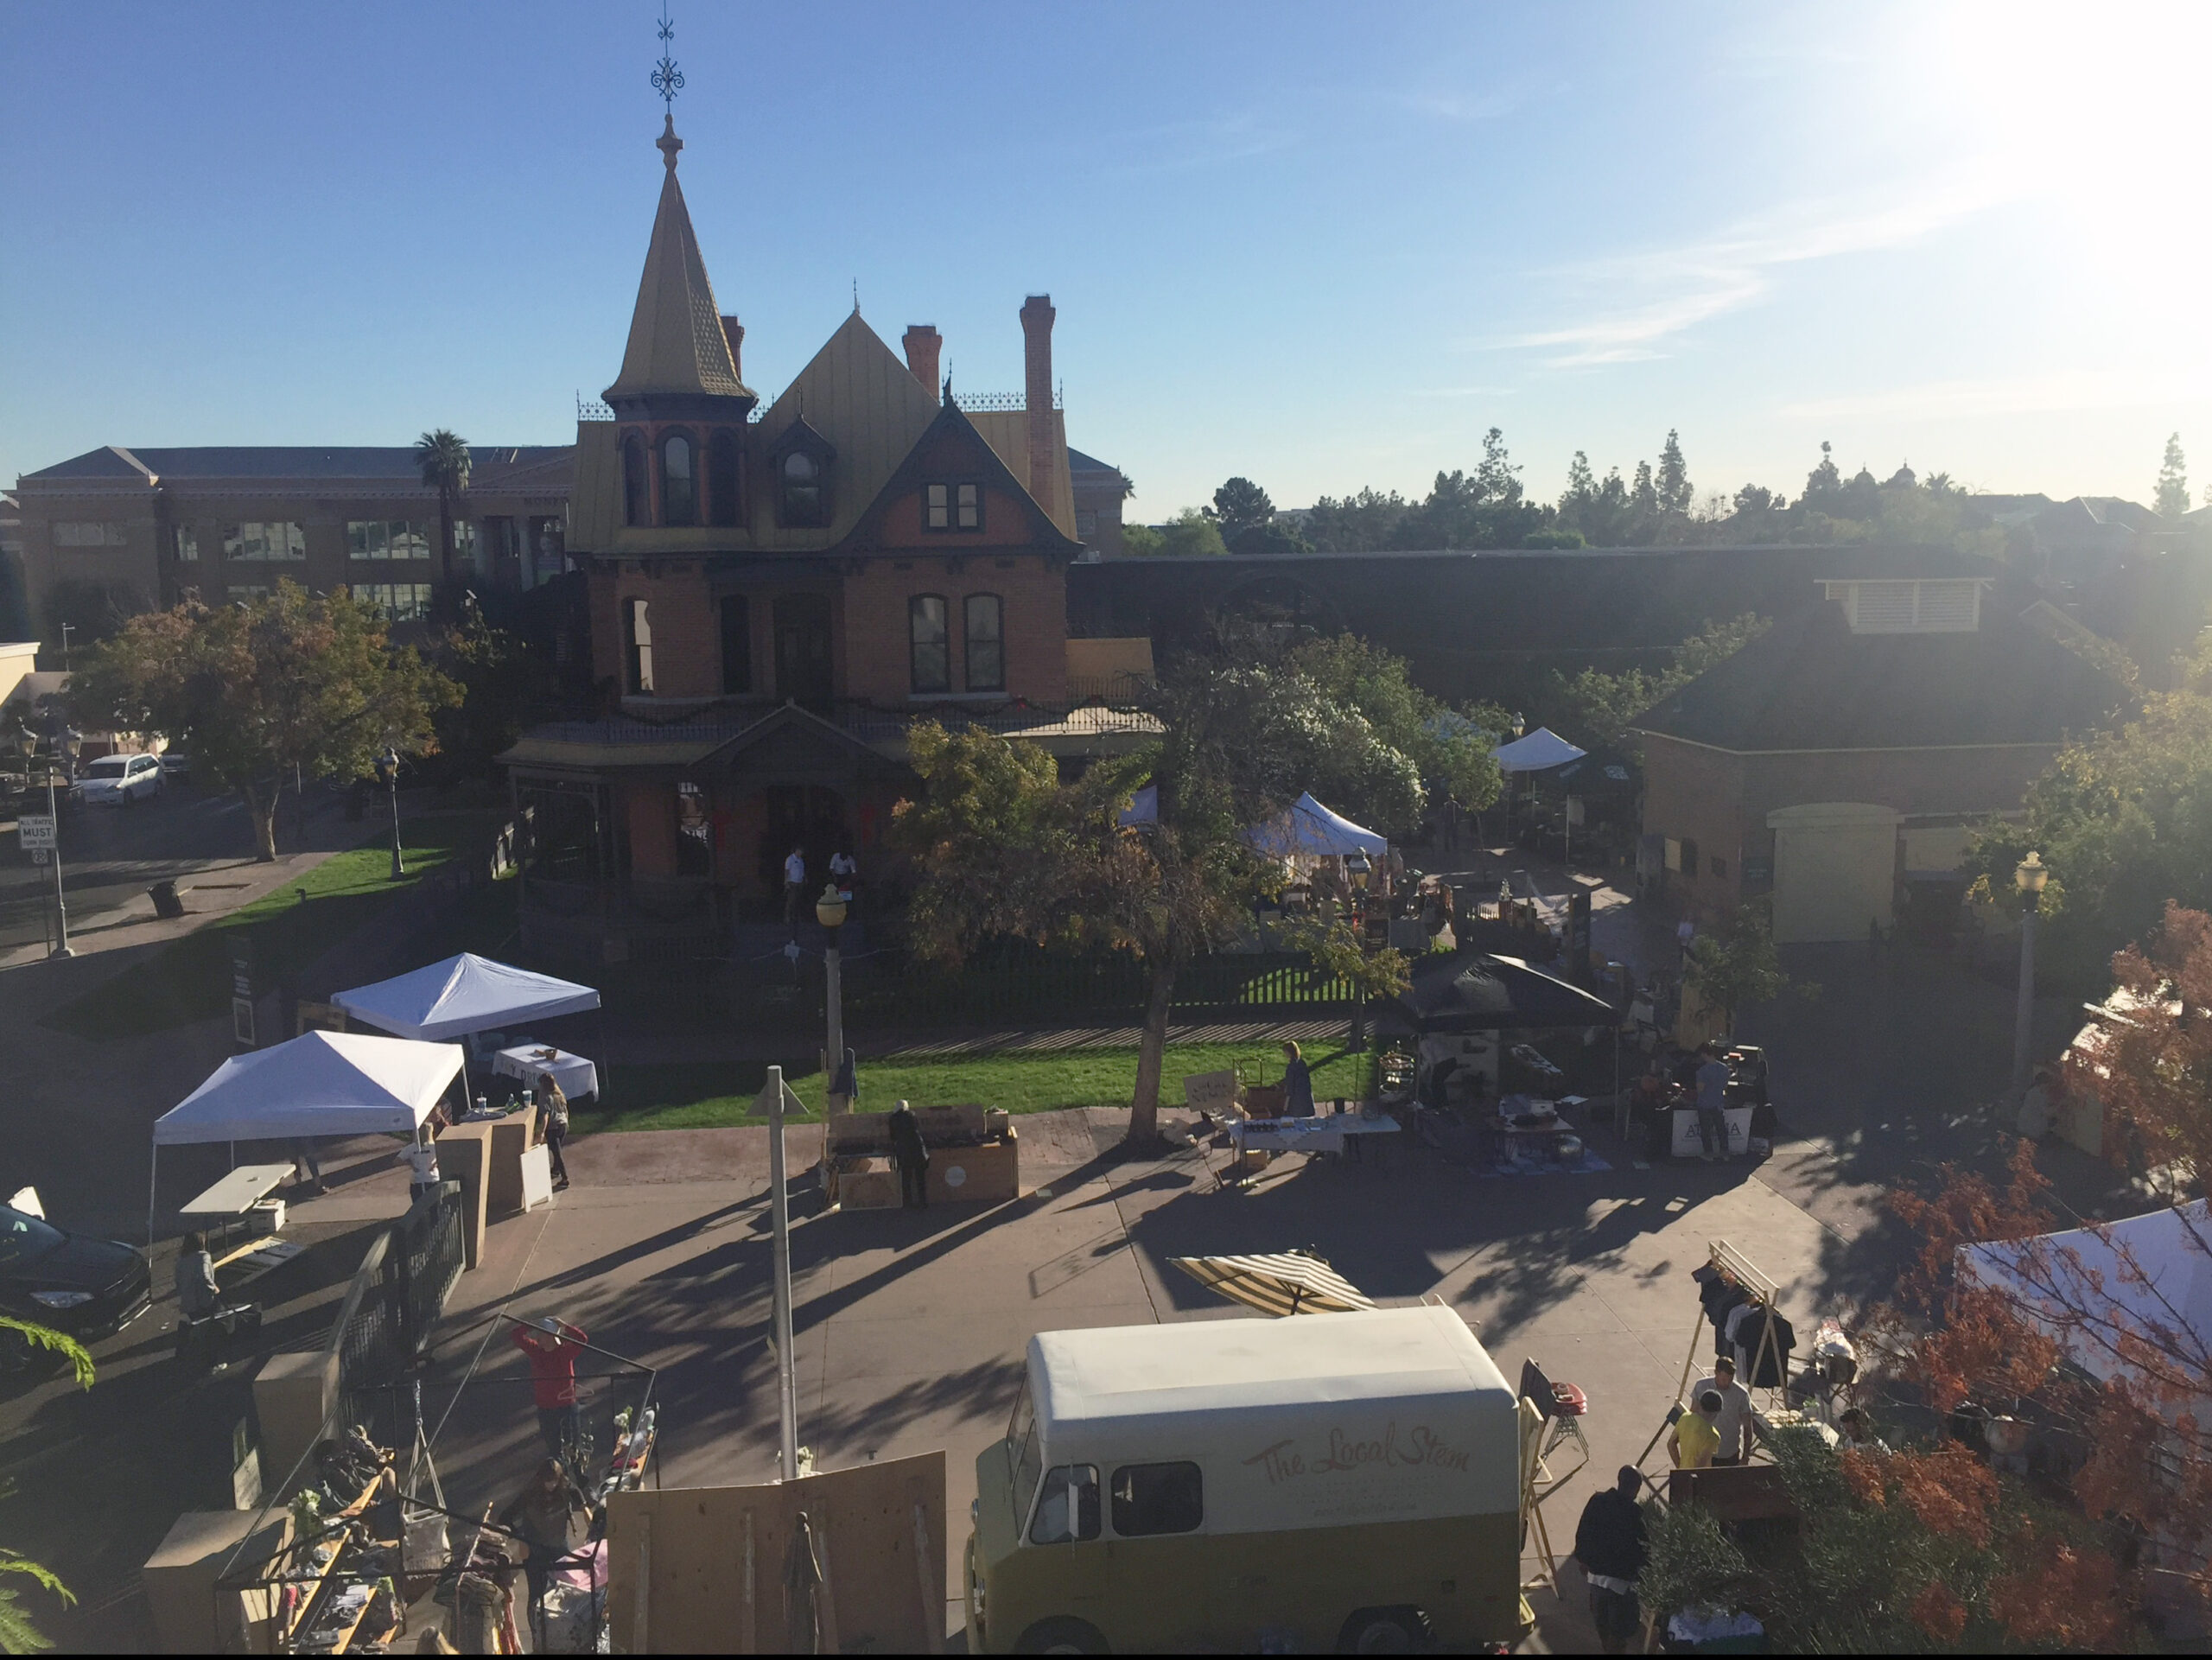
(190, 1613)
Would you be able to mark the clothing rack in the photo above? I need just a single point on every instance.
(1726, 1259)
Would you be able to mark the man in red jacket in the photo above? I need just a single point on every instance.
(552, 1346)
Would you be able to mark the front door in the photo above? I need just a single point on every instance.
(803, 668)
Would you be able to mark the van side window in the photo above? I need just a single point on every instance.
(1067, 1505)
(1152, 1498)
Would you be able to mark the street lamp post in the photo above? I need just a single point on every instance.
(68, 741)
(830, 910)
(2028, 877)
(388, 774)
(1360, 868)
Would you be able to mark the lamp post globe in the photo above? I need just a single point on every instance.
(829, 909)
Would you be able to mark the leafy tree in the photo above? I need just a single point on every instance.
(1757, 499)
(2172, 499)
(1239, 504)
(1643, 494)
(1674, 483)
(1450, 749)
(442, 458)
(1360, 524)
(18, 1634)
(1555, 539)
(1824, 484)
(1004, 848)
(293, 680)
(1738, 965)
(2124, 819)
(1599, 706)
(1189, 535)
(506, 686)
(1273, 537)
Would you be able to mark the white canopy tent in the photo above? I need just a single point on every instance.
(1316, 831)
(461, 994)
(1539, 752)
(321, 1084)
(2096, 1290)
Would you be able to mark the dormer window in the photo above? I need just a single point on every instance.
(679, 486)
(1912, 605)
(952, 507)
(801, 459)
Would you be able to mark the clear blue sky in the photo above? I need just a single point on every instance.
(1322, 245)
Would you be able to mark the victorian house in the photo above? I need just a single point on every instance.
(777, 591)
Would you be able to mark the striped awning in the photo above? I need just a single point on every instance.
(1288, 1283)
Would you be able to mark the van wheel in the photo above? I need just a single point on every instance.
(1062, 1636)
(1384, 1630)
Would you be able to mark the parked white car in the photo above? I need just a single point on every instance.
(119, 780)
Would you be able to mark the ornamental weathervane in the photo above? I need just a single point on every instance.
(668, 79)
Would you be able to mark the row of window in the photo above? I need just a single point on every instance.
(87, 533)
(928, 640)
(287, 539)
(681, 502)
(399, 601)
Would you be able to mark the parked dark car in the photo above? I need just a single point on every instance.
(69, 1282)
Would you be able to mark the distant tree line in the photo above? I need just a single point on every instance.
(1655, 506)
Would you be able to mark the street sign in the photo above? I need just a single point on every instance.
(39, 855)
(36, 831)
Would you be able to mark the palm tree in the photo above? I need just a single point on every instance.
(443, 455)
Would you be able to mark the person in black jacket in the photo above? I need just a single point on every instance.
(911, 1155)
(1609, 1543)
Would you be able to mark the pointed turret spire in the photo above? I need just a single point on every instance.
(676, 343)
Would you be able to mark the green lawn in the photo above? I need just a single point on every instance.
(189, 978)
(689, 1097)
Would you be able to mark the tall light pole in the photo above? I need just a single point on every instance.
(830, 911)
(28, 741)
(388, 774)
(2028, 876)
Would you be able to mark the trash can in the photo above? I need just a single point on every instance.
(165, 902)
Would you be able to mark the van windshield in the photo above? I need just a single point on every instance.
(1021, 1430)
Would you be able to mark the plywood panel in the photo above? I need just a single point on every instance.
(695, 1551)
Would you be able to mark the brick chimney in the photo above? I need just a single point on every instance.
(734, 332)
(1037, 315)
(924, 345)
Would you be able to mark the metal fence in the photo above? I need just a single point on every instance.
(398, 1293)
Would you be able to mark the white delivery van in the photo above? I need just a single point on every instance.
(1322, 1482)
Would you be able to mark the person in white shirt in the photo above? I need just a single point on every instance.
(845, 873)
(1738, 1432)
(422, 1156)
(794, 887)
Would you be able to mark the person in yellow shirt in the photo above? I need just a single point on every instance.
(1696, 1434)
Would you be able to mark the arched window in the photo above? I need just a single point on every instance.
(986, 642)
(930, 649)
(633, 482)
(802, 482)
(722, 478)
(679, 488)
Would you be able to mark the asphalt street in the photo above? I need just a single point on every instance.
(111, 856)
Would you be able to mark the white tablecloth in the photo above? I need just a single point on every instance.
(1324, 1133)
(577, 1077)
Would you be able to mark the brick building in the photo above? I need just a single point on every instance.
(776, 590)
(129, 530)
(1838, 763)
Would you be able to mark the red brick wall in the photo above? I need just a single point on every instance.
(649, 810)
(686, 628)
(1034, 621)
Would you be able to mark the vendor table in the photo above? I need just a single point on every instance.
(231, 1199)
(1685, 1144)
(577, 1077)
(1331, 1133)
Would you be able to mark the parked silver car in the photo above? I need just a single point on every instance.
(118, 780)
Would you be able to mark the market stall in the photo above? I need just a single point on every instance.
(464, 995)
(321, 1085)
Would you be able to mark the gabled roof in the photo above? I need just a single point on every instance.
(676, 343)
(1810, 684)
(1079, 462)
(857, 393)
(953, 420)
